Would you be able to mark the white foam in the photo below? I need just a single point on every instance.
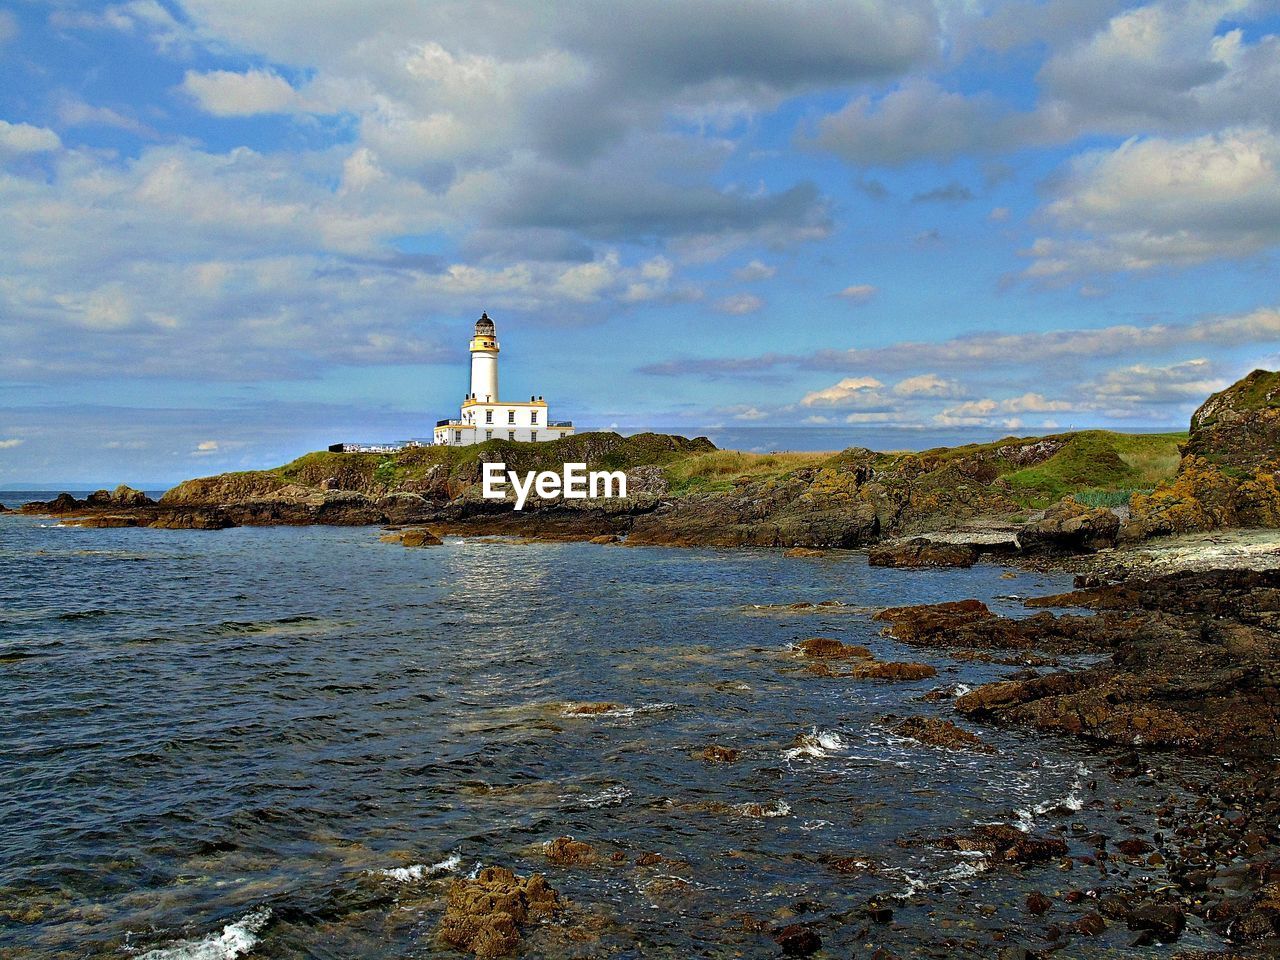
(609, 796)
(815, 745)
(419, 871)
(774, 808)
(235, 939)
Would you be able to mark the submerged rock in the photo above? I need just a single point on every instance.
(891, 671)
(415, 537)
(1166, 921)
(804, 552)
(718, 754)
(485, 915)
(922, 552)
(590, 708)
(566, 851)
(1003, 843)
(828, 648)
(941, 733)
(797, 941)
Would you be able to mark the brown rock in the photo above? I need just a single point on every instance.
(183, 519)
(1006, 844)
(718, 754)
(484, 915)
(804, 552)
(922, 552)
(797, 941)
(1069, 526)
(827, 648)
(1038, 904)
(1089, 925)
(941, 733)
(419, 538)
(605, 538)
(566, 852)
(891, 671)
(589, 709)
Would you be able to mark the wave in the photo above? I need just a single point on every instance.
(774, 808)
(609, 797)
(235, 939)
(420, 871)
(1026, 817)
(815, 745)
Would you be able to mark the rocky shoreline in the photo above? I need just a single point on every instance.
(1174, 645)
(1187, 661)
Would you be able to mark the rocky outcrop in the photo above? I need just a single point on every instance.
(1070, 527)
(1194, 661)
(485, 915)
(1230, 472)
(922, 552)
(121, 496)
(418, 537)
(1239, 428)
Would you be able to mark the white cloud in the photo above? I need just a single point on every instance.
(755, 270)
(1190, 380)
(851, 391)
(10, 443)
(982, 352)
(76, 113)
(1033, 403)
(227, 94)
(858, 293)
(918, 120)
(1157, 203)
(17, 138)
(205, 447)
(926, 385)
(1164, 67)
(739, 304)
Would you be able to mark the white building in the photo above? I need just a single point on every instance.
(486, 417)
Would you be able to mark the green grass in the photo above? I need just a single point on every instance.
(718, 470)
(1099, 464)
(1096, 466)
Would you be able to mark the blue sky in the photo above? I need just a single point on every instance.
(236, 232)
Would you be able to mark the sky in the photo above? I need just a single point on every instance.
(234, 232)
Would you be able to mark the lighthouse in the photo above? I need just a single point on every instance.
(485, 415)
(484, 361)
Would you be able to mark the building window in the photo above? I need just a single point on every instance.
(488, 434)
(488, 416)
(533, 416)
(511, 434)
(457, 436)
(511, 416)
(533, 436)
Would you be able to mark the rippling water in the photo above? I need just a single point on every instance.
(278, 742)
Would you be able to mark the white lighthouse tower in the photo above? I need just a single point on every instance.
(484, 416)
(484, 362)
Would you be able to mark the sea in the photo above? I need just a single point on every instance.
(288, 742)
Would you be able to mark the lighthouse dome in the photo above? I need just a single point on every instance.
(484, 326)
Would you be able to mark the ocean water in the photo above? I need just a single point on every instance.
(284, 742)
